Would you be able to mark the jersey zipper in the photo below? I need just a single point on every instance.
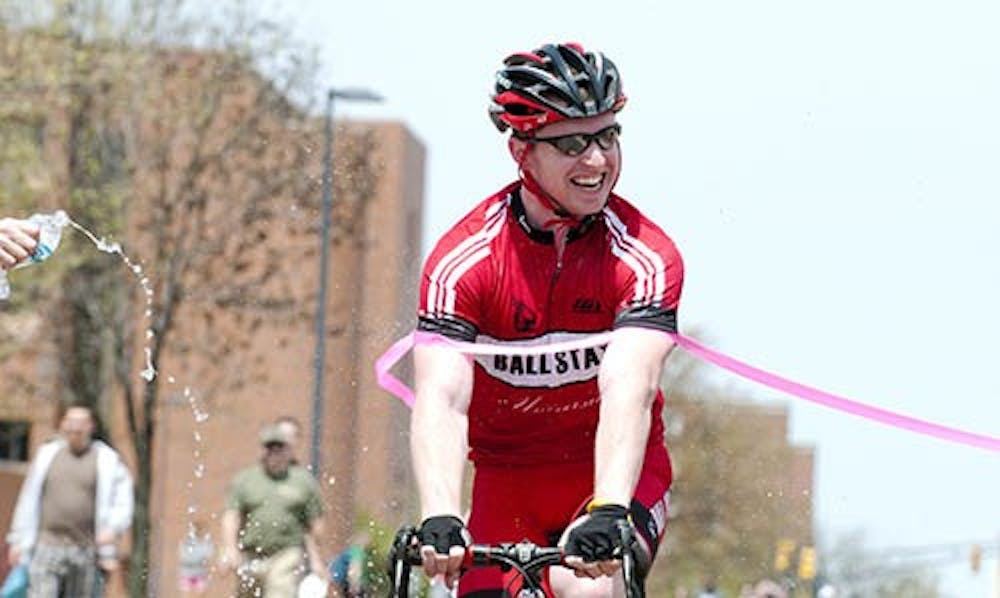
(560, 240)
(552, 289)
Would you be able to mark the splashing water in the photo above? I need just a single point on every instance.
(149, 373)
(199, 417)
(102, 244)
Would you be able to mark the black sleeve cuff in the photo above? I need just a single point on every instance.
(448, 326)
(648, 316)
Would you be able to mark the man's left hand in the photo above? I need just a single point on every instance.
(593, 544)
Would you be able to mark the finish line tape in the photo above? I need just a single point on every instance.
(386, 380)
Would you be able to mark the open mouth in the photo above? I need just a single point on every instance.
(592, 183)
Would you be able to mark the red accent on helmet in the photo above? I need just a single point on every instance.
(524, 115)
(527, 55)
(553, 83)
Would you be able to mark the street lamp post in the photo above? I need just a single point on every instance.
(319, 362)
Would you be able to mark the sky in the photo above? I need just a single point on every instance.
(830, 172)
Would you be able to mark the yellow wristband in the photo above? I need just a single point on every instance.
(596, 503)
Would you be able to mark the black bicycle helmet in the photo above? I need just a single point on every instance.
(553, 83)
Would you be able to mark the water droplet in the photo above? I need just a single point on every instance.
(150, 372)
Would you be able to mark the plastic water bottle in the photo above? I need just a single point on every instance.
(50, 232)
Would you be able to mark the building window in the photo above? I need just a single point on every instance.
(14, 440)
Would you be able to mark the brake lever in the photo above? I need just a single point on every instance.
(626, 535)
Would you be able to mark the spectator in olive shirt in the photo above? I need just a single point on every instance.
(272, 515)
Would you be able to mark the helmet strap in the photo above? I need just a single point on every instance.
(562, 220)
(547, 200)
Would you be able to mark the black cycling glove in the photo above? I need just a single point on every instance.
(442, 532)
(599, 537)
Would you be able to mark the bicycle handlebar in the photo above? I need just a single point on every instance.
(524, 556)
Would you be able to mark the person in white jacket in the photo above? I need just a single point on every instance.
(74, 505)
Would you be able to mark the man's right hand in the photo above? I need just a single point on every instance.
(13, 555)
(443, 540)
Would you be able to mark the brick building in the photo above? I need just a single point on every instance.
(371, 302)
(209, 412)
(365, 468)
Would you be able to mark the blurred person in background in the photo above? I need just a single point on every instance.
(194, 557)
(350, 570)
(766, 588)
(709, 590)
(292, 429)
(75, 504)
(271, 523)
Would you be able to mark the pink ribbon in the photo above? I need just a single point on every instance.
(386, 380)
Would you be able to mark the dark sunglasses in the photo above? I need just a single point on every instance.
(577, 143)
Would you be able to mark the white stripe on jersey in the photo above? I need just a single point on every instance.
(650, 271)
(475, 247)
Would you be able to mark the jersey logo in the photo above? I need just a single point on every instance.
(525, 318)
(543, 370)
(586, 305)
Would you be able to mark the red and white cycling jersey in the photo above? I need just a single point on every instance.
(492, 278)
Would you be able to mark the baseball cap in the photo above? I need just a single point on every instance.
(272, 434)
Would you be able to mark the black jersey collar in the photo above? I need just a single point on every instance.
(546, 236)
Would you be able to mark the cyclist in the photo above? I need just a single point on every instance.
(570, 436)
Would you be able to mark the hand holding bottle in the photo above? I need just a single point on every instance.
(24, 242)
(18, 239)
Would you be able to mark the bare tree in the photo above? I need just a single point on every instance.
(732, 498)
(185, 136)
